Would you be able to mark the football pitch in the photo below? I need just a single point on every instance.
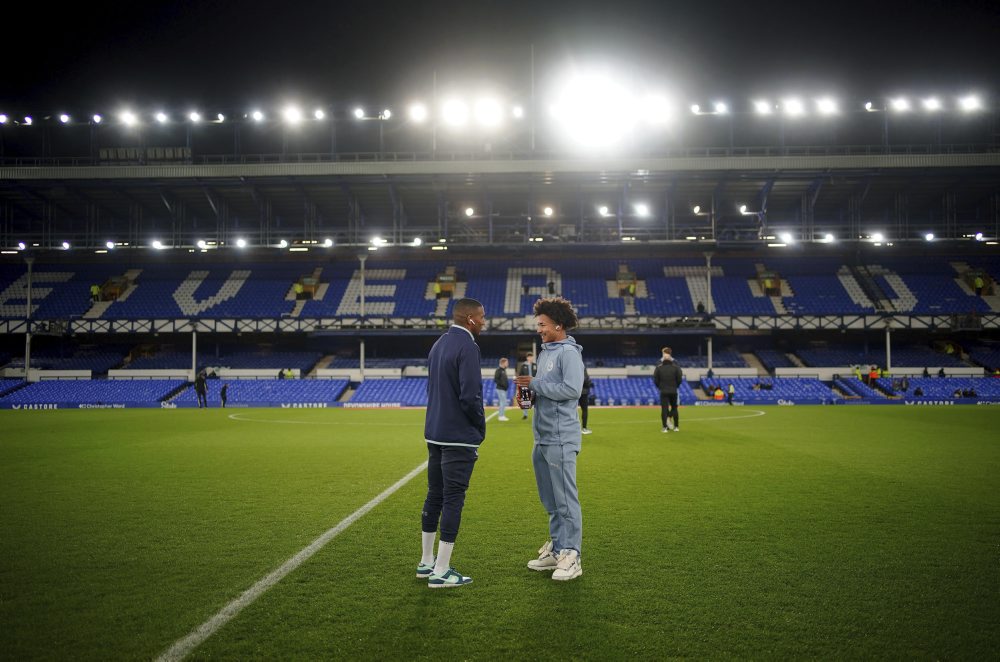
(773, 532)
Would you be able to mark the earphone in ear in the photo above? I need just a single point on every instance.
(558, 327)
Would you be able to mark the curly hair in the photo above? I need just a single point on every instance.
(558, 310)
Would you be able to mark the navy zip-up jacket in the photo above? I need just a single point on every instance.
(455, 414)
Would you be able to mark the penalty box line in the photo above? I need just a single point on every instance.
(183, 647)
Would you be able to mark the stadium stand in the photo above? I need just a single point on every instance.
(88, 391)
(934, 388)
(773, 358)
(267, 391)
(785, 388)
(635, 391)
(407, 392)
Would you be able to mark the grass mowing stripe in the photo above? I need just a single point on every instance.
(184, 646)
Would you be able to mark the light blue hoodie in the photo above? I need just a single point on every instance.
(558, 386)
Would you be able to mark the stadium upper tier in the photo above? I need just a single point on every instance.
(599, 288)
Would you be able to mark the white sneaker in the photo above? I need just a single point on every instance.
(665, 430)
(568, 566)
(677, 429)
(586, 431)
(546, 559)
(502, 418)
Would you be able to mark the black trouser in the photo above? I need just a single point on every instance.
(668, 408)
(202, 399)
(584, 402)
(449, 469)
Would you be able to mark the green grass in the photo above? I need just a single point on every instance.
(809, 532)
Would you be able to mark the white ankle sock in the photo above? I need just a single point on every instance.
(444, 557)
(427, 547)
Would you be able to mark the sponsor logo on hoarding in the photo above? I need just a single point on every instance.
(930, 402)
(47, 406)
(782, 401)
(303, 405)
(372, 405)
(84, 405)
(168, 405)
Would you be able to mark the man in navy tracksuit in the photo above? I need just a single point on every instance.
(454, 427)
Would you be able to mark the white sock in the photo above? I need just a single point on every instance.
(444, 557)
(427, 544)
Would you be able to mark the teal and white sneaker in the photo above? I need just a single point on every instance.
(425, 570)
(449, 579)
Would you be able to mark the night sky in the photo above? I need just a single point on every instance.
(96, 56)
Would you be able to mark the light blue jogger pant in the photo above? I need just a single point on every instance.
(555, 473)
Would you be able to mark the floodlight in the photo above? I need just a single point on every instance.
(878, 237)
(194, 116)
(455, 112)
(386, 114)
(21, 246)
(109, 244)
(786, 237)
(642, 209)
(970, 103)
(379, 241)
(721, 108)
(292, 114)
(603, 210)
(469, 211)
(283, 243)
(979, 236)
(64, 118)
(28, 120)
(762, 107)
(656, 109)
(826, 106)
(869, 107)
(828, 238)
(547, 211)
(328, 242)
(929, 236)
(257, 116)
(3, 119)
(241, 243)
(517, 112)
(417, 241)
(794, 107)
(161, 117)
(932, 104)
(900, 104)
(319, 114)
(359, 113)
(743, 209)
(128, 118)
(219, 117)
(418, 112)
(488, 112)
(696, 109)
(201, 244)
(65, 245)
(696, 209)
(595, 110)
(157, 244)
(97, 119)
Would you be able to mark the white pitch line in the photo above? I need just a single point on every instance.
(183, 647)
(756, 413)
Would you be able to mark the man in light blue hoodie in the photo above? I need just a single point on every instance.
(555, 391)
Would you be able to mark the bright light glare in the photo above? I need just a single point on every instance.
(547, 211)
(517, 112)
(721, 108)
(417, 241)
(28, 120)
(257, 116)
(594, 110)
(786, 237)
(418, 112)
(379, 241)
(869, 106)
(3, 119)
(762, 107)
(328, 242)
(157, 244)
(932, 104)
(642, 209)
(219, 117)
(386, 114)
(64, 118)
(161, 117)
(794, 107)
(979, 236)
(900, 104)
(696, 209)
(743, 209)
(128, 118)
(970, 103)
(319, 114)
(283, 243)
(696, 109)
(929, 236)
(878, 237)
(455, 112)
(826, 106)
(469, 211)
(656, 109)
(202, 244)
(359, 113)
(65, 245)
(488, 112)
(292, 114)
(21, 245)
(603, 210)
(828, 238)
(110, 244)
(194, 116)
(241, 243)
(97, 119)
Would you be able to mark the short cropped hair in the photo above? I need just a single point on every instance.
(503, 360)
(464, 308)
(558, 310)
(667, 350)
